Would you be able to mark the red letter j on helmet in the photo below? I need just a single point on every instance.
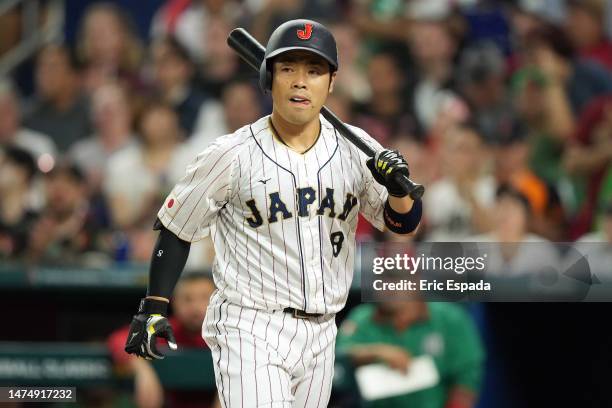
(305, 33)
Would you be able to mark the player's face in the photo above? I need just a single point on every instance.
(300, 86)
(190, 302)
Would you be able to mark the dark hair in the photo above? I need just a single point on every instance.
(479, 62)
(69, 169)
(507, 190)
(21, 158)
(67, 52)
(555, 38)
(176, 48)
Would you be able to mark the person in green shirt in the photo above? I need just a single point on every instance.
(393, 333)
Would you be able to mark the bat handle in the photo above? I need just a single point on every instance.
(414, 190)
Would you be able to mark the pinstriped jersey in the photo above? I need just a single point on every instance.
(283, 223)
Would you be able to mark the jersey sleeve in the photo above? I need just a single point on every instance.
(372, 196)
(193, 204)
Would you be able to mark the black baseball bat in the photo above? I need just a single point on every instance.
(252, 52)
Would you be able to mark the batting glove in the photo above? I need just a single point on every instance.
(147, 325)
(384, 166)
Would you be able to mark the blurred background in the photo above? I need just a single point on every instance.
(502, 108)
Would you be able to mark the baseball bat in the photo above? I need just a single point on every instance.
(252, 52)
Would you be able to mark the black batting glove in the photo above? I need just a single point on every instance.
(384, 166)
(147, 325)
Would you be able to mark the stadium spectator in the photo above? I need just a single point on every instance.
(353, 81)
(187, 20)
(380, 22)
(384, 114)
(512, 167)
(108, 47)
(481, 80)
(67, 231)
(189, 303)
(460, 203)
(241, 105)
(173, 72)
(112, 118)
(513, 250)
(272, 13)
(60, 109)
(154, 165)
(570, 81)
(17, 171)
(585, 26)
(434, 44)
(589, 156)
(530, 99)
(12, 132)
(529, 15)
(10, 21)
(222, 64)
(340, 103)
(596, 247)
(396, 333)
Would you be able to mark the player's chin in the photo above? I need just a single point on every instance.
(301, 116)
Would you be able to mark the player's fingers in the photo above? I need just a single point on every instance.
(143, 352)
(151, 346)
(167, 334)
(171, 340)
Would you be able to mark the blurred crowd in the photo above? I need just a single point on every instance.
(503, 110)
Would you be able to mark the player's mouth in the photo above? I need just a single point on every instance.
(299, 100)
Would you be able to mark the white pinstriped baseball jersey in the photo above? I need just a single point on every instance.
(283, 223)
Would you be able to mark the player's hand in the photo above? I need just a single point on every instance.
(384, 166)
(147, 325)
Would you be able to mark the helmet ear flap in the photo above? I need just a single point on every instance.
(265, 77)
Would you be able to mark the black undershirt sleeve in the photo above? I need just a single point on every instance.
(167, 262)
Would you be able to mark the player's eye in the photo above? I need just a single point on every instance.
(316, 69)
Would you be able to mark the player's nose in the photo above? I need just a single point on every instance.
(299, 79)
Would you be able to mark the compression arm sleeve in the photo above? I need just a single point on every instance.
(167, 262)
(403, 223)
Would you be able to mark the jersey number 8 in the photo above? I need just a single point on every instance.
(336, 238)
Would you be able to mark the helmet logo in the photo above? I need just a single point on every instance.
(306, 33)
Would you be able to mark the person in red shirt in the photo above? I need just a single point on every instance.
(585, 25)
(189, 304)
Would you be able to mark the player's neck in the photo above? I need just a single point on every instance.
(297, 137)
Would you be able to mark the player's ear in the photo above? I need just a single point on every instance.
(332, 80)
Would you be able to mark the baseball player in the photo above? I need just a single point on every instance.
(280, 198)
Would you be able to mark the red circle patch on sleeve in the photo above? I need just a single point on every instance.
(171, 203)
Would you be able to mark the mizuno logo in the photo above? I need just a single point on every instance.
(134, 335)
(264, 181)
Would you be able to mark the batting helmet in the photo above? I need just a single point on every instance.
(298, 35)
